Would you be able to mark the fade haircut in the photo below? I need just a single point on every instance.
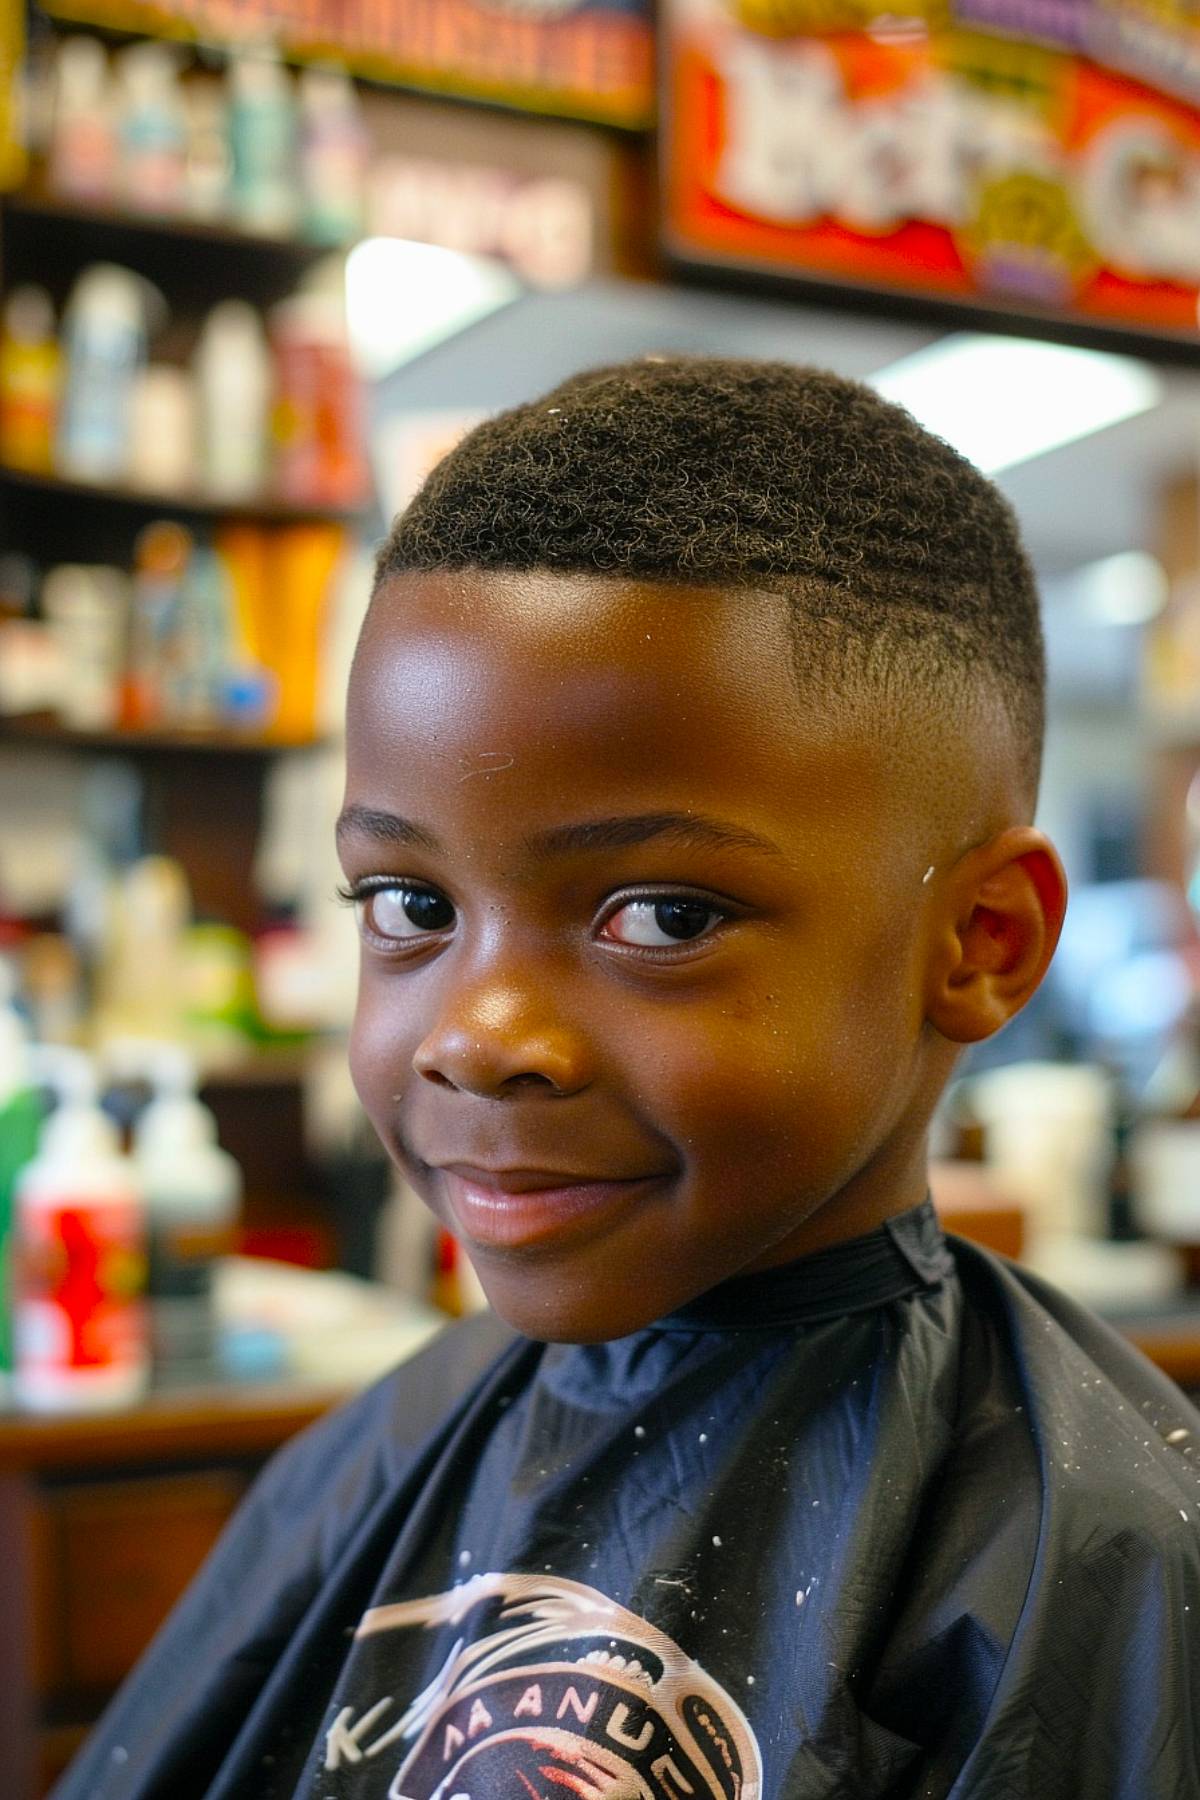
(902, 564)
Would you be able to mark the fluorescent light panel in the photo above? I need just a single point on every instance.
(403, 297)
(1129, 588)
(1002, 400)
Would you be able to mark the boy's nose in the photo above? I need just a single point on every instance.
(493, 1043)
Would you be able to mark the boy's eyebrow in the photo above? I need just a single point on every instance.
(561, 840)
(386, 827)
(640, 828)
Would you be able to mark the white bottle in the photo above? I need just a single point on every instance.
(83, 126)
(193, 1192)
(105, 348)
(86, 607)
(153, 129)
(262, 132)
(233, 382)
(333, 156)
(81, 1342)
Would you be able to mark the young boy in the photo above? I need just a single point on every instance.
(692, 755)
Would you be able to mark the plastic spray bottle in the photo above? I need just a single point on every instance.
(193, 1191)
(80, 1333)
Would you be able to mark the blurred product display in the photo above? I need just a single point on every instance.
(198, 637)
(587, 59)
(140, 129)
(265, 408)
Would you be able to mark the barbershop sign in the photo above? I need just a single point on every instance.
(1041, 156)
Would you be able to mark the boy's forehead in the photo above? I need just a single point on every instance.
(528, 700)
(587, 623)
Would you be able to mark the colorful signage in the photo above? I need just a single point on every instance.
(810, 138)
(590, 59)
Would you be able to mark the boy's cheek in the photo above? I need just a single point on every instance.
(379, 1066)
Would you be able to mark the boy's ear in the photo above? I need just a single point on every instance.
(1000, 911)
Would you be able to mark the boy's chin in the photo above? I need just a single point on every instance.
(547, 1309)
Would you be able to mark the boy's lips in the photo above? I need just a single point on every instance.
(510, 1209)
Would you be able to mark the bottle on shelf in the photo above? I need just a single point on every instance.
(192, 1190)
(162, 430)
(203, 647)
(80, 1329)
(233, 380)
(208, 174)
(161, 556)
(30, 369)
(87, 609)
(106, 329)
(262, 131)
(333, 156)
(140, 988)
(152, 130)
(83, 137)
(320, 458)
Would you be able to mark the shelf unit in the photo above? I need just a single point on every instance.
(203, 791)
(261, 509)
(41, 206)
(48, 733)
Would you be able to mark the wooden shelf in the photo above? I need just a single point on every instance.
(42, 204)
(224, 1419)
(284, 1066)
(261, 510)
(48, 733)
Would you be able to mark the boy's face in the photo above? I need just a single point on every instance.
(709, 1055)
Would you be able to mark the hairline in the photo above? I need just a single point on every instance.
(972, 696)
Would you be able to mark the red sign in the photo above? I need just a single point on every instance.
(957, 164)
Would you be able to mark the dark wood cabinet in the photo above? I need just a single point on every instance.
(103, 1522)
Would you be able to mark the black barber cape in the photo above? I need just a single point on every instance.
(895, 1520)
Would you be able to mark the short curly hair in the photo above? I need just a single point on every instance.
(901, 563)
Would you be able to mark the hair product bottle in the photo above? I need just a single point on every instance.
(262, 130)
(105, 348)
(153, 129)
(30, 362)
(333, 156)
(81, 1343)
(192, 1190)
(233, 381)
(83, 135)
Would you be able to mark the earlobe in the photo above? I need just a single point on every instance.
(999, 914)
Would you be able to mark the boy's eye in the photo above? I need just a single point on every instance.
(404, 912)
(656, 924)
(401, 912)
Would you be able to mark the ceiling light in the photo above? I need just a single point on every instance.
(1127, 589)
(403, 297)
(1003, 400)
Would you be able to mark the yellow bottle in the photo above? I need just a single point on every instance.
(30, 371)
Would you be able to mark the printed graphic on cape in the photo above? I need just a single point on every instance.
(550, 1690)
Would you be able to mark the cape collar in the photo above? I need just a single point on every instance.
(905, 1255)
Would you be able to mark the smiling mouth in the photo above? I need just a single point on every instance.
(526, 1217)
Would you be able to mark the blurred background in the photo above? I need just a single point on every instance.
(261, 262)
